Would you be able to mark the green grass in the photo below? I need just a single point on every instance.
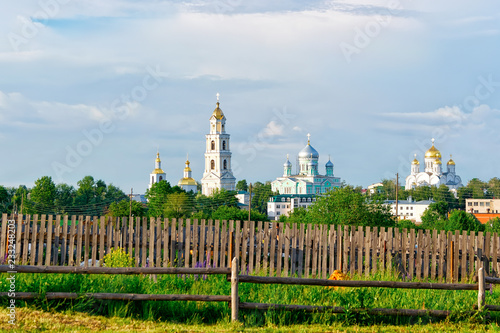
(212, 314)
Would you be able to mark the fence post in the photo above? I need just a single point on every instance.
(481, 295)
(234, 290)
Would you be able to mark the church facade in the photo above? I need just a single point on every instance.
(218, 173)
(433, 174)
(307, 179)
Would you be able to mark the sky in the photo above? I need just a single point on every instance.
(98, 87)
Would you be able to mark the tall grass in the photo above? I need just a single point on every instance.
(211, 312)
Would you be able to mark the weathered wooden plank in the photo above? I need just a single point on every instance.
(324, 246)
(487, 252)
(265, 249)
(137, 240)
(360, 245)
(102, 236)
(130, 245)
(308, 250)
(367, 245)
(449, 256)
(288, 237)
(352, 250)
(300, 250)
(151, 239)
(442, 254)
(383, 247)
(158, 239)
(294, 238)
(332, 240)
(188, 247)
(224, 237)
(28, 230)
(339, 248)
(79, 241)
(434, 253)
(57, 241)
(166, 243)
(345, 250)
(479, 250)
(279, 250)
(72, 235)
(180, 245)
(173, 243)
(397, 249)
(456, 253)
(463, 258)
(389, 248)
(41, 241)
(418, 255)
(34, 240)
(244, 248)
(259, 260)
(116, 232)
(19, 240)
(375, 249)
(405, 253)
(201, 242)
(251, 249)
(86, 249)
(494, 255)
(3, 239)
(144, 242)
(427, 243)
(411, 257)
(48, 248)
(272, 257)
(196, 242)
(95, 226)
(471, 253)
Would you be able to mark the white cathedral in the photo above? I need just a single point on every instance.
(307, 180)
(433, 174)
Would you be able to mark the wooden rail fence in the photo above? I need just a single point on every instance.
(236, 279)
(278, 249)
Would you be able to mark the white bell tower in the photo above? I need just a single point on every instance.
(217, 174)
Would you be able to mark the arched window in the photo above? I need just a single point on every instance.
(161, 178)
(152, 179)
(225, 165)
(212, 164)
(224, 145)
(213, 145)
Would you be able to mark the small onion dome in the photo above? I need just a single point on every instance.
(438, 162)
(329, 164)
(415, 161)
(218, 114)
(157, 171)
(451, 162)
(158, 157)
(187, 168)
(187, 181)
(287, 163)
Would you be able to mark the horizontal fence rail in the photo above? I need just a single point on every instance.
(236, 279)
(265, 248)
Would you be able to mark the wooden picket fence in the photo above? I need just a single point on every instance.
(274, 249)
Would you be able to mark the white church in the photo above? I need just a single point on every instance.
(217, 174)
(433, 174)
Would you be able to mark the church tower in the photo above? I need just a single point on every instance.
(157, 175)
(217, 174)
(187, 183)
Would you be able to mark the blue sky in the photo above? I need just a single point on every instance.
(95, 88)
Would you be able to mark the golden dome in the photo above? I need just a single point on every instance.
(158, 157)
(451, 162)
(218, 114)
(415, 161)
(432, 152)
(157, 171)
(438, 162)
(187, 181)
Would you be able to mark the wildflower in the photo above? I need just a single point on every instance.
(338, 275)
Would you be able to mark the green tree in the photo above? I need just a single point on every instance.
(93, 197)
(460, 220)
(493, 225)
(478, 187)
(122, 208)
(463, 193)
(260, 196)
(435, 216)
(157, 198)
(234, 213)
(65, 197)
(43, 195)
(5, 200)
(347, 206)
(494, 187)
(242, 185)
(177, 205)
(19, 198)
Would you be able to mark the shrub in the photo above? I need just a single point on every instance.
(117, 257)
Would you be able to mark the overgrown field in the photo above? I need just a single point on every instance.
(211, 313)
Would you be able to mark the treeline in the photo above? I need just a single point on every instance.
(96, 198)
